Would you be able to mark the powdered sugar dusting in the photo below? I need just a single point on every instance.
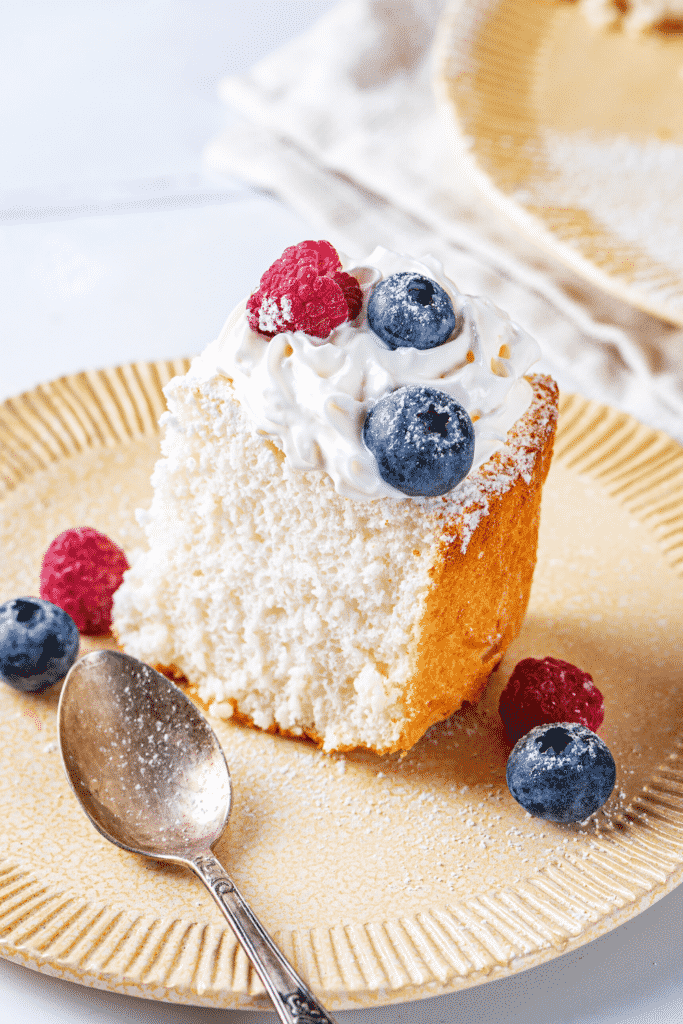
(272, 318)
(470, 500)
(641, 205)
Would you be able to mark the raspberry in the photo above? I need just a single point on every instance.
(304, 290)
(543, 691)
(81, 570)
(352, 293)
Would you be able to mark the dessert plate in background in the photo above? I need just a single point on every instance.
(383, 879)
(576, 133)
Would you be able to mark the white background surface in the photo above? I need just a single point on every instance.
(116, 245)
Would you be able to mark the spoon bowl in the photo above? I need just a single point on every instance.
(150, 774)
(145, 764)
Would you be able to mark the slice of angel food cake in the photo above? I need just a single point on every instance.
(344, 524)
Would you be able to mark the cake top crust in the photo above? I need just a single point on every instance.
(311, 395)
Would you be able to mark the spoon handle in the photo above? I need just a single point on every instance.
(291, 996)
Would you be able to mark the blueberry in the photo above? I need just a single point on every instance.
(422, 439)
(561, 772)
(38, 643)
(411, 311)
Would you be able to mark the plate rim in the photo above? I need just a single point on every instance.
(118, 402)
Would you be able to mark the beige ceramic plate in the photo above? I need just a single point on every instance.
(577, 134)
(383, 879)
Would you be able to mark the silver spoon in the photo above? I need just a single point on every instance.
(150, 774)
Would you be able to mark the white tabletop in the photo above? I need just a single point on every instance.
(116, 245)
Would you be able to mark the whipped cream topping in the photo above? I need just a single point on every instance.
(311, 396)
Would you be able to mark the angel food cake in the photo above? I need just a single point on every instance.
(343, 531)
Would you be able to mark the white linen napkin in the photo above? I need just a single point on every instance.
(342, 123)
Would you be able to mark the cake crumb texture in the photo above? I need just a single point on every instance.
(358, 624)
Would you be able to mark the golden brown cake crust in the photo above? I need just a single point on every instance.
(479, 596)
(481, 581)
